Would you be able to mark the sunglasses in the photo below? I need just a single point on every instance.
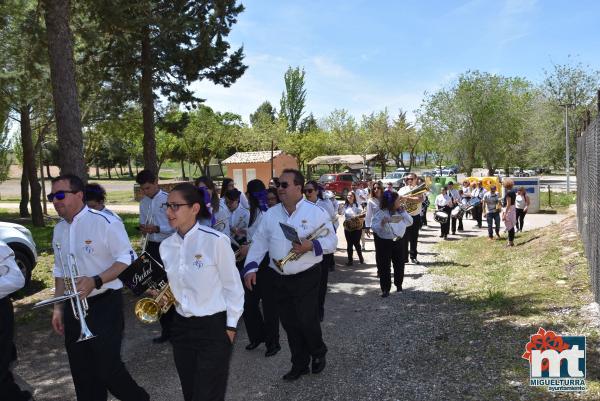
(175, 206)
(283, 184)
(59, 195)
(309, 190)
(408, 179)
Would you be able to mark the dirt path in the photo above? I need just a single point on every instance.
(414, 345)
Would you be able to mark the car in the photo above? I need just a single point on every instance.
(20, 240)
(395, 178)
(403, 169)
(340, 184)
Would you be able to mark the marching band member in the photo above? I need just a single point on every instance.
(297, 286)
(477, 193)
(11, 280)
(314, 194)
(412, 231)
(95, 197)
(154, 224)
(272, 196)
(372, 208)
(100, 246)
(228, 185)
(239, 217)
(219, 214)
(206, 284)
(455, 197)
(425, 204)
(260, 328)
(461, 202)
(391, 248)
(362, 197)
(351, 210)
(443, 203)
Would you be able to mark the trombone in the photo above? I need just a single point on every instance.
(319, 231)
(78, 303)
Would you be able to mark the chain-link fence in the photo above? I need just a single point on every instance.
(588, 199)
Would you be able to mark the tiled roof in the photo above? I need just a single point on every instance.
(251, 157)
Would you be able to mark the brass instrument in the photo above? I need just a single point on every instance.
(355, 223)
(149, 310)
(237, 253)
(78, 303)
(219, 225)
(318, 232)
(148, 221)
(409, 205)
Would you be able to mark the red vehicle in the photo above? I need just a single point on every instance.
(340, 184)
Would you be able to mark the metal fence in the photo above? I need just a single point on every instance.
(588, 199)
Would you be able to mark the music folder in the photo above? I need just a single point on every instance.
(290, 232)
(143, 274)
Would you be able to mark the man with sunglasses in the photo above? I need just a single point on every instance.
(154, 224)
(296, 285)
(98, 244)
(412, 231)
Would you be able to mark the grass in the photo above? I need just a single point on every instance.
(542, 282)
(557, 200)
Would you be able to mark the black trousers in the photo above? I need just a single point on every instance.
(325, 265)
(297, 298)
(445, 227)
(353, 240)
(96, 364)
(477, 212)
(166, 318)
(9, 390)
(390, 252)
(202, 351)
(424, 217)
(460, 224)
(412, 238)
(520, 218)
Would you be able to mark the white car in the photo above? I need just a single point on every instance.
(395, 178)
(20, 240)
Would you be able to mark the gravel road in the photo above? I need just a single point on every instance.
(414, 345)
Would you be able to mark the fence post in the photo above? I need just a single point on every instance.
(549, 197)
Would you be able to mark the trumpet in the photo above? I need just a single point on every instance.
(237, 253)
(319, 231)
(219, 225)
(148, 309)
(78, 303)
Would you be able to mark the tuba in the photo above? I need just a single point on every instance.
(409, 205)
(319, 231)
(78, 304)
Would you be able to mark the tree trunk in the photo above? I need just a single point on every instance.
(147, 100)
(109, 176)
(23, 210)
(121, 168)
(182, 170)
(97, 172)
(64, 87)
(129, 167)
(30, 168)
(48, 170)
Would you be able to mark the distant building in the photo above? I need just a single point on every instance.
(246, 166)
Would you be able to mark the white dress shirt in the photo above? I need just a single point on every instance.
(390, 230)
(270, 238)
(351, 211)
(372, 208)
(255, 224)
(239, 218)
(455, 196)
(362, 195)
(96, 240)
(405, 190)
(221, 221)
(202, 274)
(152, 212)
(11, 278)
(111, 213)
(442, 201)
(327, 206)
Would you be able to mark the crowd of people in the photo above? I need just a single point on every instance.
(263, 255)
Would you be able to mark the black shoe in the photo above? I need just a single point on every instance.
(253, 345)
(331, 268)
(361, 261)
(318, 364)
(349, 263)
(385, 294)
(272, 350)
(160, 340)
(414, 261)
(399, 289)
(442, 236)
(453, 232)
(295, 374)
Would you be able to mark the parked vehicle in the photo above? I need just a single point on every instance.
(20, 240)
(340, 184)
(396, 178)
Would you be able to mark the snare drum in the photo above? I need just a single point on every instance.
(440, 217)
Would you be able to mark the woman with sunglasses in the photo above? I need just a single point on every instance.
(218, 214)
(203, 277)
(351, 210)
(314, 194)
(372, 208)
(390, 223)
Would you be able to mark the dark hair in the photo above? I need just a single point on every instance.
(274, 192)
(214, 199)
(444, 188)
(298, 177)
(95, 192)
(192, 194)
(346, 204)
(75, 183)
(379, 184)
(233, 195)
(254, 187)
(317, 188)
(275, 180)
(387, 201)
(450, 183)
(145, 177)
(224, 185)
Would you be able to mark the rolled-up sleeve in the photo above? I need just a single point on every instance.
(233, 292)
(11, 278)
(118, 243)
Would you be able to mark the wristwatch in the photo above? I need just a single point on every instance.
(98, 282)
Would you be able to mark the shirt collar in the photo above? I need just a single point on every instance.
(81, 213)
(192, 230)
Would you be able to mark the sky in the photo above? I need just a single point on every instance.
(364, 56)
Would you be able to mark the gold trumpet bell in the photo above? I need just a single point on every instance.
(147, 310)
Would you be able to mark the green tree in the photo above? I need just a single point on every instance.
(265, 113)
(293, 98)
